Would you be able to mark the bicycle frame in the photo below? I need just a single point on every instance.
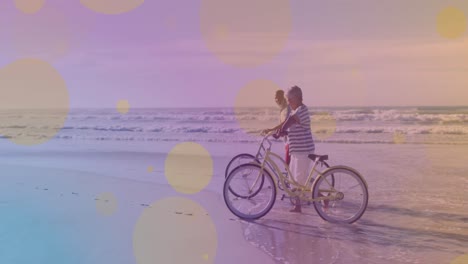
(259, 156)
(302, 190)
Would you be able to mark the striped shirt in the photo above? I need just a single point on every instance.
(300, 135)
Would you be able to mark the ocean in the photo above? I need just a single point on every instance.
(359, 125)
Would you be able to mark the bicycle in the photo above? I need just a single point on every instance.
(336, 190)
(244, 158)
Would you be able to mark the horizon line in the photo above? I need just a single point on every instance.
(242, 107)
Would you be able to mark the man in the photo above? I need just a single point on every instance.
(284, 113)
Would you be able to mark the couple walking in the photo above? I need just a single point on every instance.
(295, 127)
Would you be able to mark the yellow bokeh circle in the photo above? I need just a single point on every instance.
(399, 137)
(174, 230)
(106, 204)
(34, 103)
(111, 7)
(460, 260)
(150, 169)
(323, 125)
(123, 106)
(29, 6)
(220, 33)
(45, 34)
(188, 167)
(451, 23)
(250, 98)
(245, 33)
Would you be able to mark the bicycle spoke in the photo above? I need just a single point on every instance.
(348, 199)
(352, 187)
(255, 197)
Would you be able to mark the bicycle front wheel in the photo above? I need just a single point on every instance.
(255, 191)
(342, 195)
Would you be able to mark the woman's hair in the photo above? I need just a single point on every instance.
(279, 93)
(295, 91)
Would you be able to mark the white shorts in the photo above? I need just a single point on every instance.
(300, 166)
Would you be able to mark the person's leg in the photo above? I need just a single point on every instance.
(292, 166)
(301, 170)
(294, 170)
(302, 167)
(287, 156)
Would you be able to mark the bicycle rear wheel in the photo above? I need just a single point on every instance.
(345, 192)
(238, 160)
(255, 191)
(323, 165)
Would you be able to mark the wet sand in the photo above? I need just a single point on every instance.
(417, 213)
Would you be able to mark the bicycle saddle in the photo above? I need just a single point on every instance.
(320, 157)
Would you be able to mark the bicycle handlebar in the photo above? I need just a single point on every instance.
(274, 134)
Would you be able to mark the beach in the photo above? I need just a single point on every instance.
(416, 214)
(88, 198)
(52, 212)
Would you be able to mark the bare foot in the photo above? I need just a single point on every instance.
(296, 210)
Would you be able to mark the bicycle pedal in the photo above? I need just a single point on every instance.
(282, 197)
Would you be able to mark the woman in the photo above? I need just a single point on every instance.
(300, 140)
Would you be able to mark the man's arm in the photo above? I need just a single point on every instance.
(274, 128)
(293, 119)
(268, 130)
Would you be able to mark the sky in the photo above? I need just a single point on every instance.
(207, 53)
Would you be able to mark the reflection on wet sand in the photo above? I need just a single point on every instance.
(417, 212)
(387, 235)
